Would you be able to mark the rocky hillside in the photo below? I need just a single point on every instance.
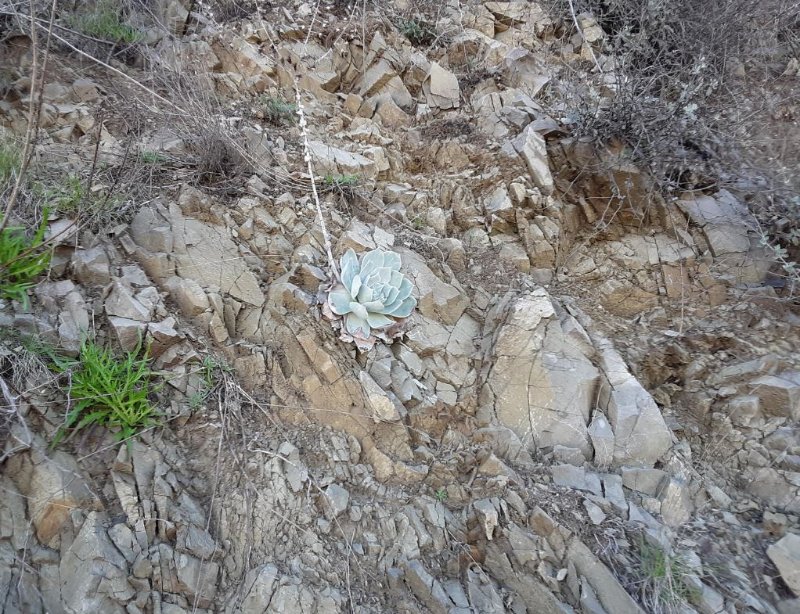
(593, 408)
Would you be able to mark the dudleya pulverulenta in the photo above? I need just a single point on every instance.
(372, 298)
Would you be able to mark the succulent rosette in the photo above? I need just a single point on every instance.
(372, 299)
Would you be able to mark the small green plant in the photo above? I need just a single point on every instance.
(441, 495)
(105, 22)
(9, 162)
(418, 32)
(22, 259)
(197, 399)
(108, 390)
(210, 370)
(153, 157)
(341, 181)
(65, 197)
(662, 578)
(278, 112)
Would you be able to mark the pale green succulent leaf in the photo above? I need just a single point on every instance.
(355, 286)
(405, 308)
(350, 267)
(378, 320)
(356, 326)
(359, 310)
(365, 294)
(391, 261)
(371, 262)
(339, 300)
(373, 294)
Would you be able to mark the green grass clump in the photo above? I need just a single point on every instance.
(663, 578)
(108, 390)
(341, 181)
(65, 197)
(278, 112)
(9, 162)
(105, 22)
(418, 32)
(152, 157)
(212, 370)
(22, 259)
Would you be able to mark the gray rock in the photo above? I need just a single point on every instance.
(129, 333)
(123, 304)
(676, 503)
(336, 500)
(532, 148)
(426, 588)
(93, 573)
(441, 88)
(56, 486)
(196, 541)
(438, 300)
(91, 266)
(383, 407)
(294, 470)
(488, 515)
(337, 161)
(785, 554)
(257, 589)
(607, 588)
(571, 476)
(596, 515)
(191, 298)
(643, 479)
(779, 395)
(613, 492)
(640, 434)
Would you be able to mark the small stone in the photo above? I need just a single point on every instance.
(487, 513)
(596, 515)
(676, 503)
(191, 298)
(336, 500)
(91, 266)
(122, 303)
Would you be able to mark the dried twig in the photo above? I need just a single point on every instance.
(34, 107)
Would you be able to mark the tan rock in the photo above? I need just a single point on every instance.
(779, 394)
(191, 298)
(533, 363)
(123, 304)
(331, 159)
(56, 488)
(641, 436)
(437, 300)
(441, 88)
(531, 147)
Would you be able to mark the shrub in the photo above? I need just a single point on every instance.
(675, 97)
(9, 162)
(104, 21)
(278, 112)
(108, 390)
(663, 579)
(418, 32)
(22, 259)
